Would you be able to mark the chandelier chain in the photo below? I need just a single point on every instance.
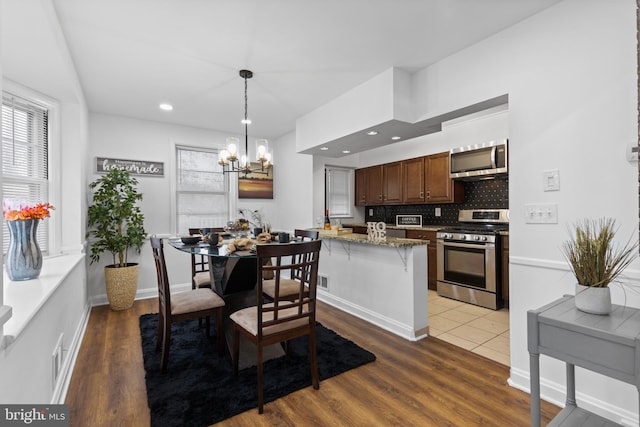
(246, 100)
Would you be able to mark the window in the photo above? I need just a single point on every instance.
(201, 189)
(339, 191)
(25, 170)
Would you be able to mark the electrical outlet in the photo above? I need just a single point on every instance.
(438, 212)
(370, 212)
(541, 213)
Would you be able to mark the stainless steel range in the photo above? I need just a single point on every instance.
(468, 257)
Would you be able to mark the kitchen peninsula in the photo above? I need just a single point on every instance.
(382, 282)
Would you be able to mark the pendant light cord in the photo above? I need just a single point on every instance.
(246, 123)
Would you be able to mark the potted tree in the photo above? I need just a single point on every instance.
(115, 225)
(596, 262)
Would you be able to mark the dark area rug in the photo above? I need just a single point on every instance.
(198, 388)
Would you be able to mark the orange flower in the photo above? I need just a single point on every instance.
(13, 213)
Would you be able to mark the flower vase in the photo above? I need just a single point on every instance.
(24, 258)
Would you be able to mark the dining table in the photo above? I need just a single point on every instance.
(234, 277)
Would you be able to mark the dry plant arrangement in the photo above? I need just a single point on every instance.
(594, 258)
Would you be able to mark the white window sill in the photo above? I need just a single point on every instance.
(27, 297)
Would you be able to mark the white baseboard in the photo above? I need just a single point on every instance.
(101, 299)
(400, 329)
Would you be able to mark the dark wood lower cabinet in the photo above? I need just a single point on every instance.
(359, 230)
(505, 270)
(432, 262)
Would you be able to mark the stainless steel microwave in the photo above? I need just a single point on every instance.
(479, 161)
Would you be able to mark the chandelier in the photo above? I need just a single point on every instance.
(231, 160)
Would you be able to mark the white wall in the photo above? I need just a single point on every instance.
(126, 138)
(290, 209)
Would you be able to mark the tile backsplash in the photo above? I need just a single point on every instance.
(489, 194)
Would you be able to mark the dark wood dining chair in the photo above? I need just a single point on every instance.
(288, 288)
(194, 304)
(306, 234)
(281, 320)
(200, 277)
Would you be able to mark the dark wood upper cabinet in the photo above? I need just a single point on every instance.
(413, 171)
(373, 194)
(413, 181)
(440, 188)
(361, 187)
(392, 183)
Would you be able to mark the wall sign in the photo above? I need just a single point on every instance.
(409, 220)
(134, 167)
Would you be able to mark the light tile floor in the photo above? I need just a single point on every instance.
(478, 329)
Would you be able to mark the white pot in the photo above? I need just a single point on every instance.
(593, 300)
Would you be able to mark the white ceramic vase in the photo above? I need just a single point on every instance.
(593, 300)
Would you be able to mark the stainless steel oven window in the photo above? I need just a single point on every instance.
(467, 265)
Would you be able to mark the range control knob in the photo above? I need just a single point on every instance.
(477, 237)
(463, 237)
(484, 238)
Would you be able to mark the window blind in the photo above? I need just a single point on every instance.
(25, 170)
(339, 191)
(201, 190)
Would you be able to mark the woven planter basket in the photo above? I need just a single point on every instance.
(121, 284)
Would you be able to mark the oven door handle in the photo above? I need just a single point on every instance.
(466, 245)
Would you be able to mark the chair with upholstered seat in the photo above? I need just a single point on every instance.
(200, 276)
(281, 320)
(194, 304)
(288, 288)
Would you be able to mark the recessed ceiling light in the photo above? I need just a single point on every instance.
(166, 106)
(324, 148)
(372, 132)
(346, 151)
(395, 138)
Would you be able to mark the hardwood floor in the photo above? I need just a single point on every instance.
(428, 383)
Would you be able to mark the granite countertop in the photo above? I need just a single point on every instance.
(395, 227)
(394, 242)
(423, 228)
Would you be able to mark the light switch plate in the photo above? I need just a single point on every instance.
(541, 213)
(551, 180)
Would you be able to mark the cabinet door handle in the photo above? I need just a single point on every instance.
(421, 194)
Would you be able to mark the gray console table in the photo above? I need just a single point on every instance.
(609, 345)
